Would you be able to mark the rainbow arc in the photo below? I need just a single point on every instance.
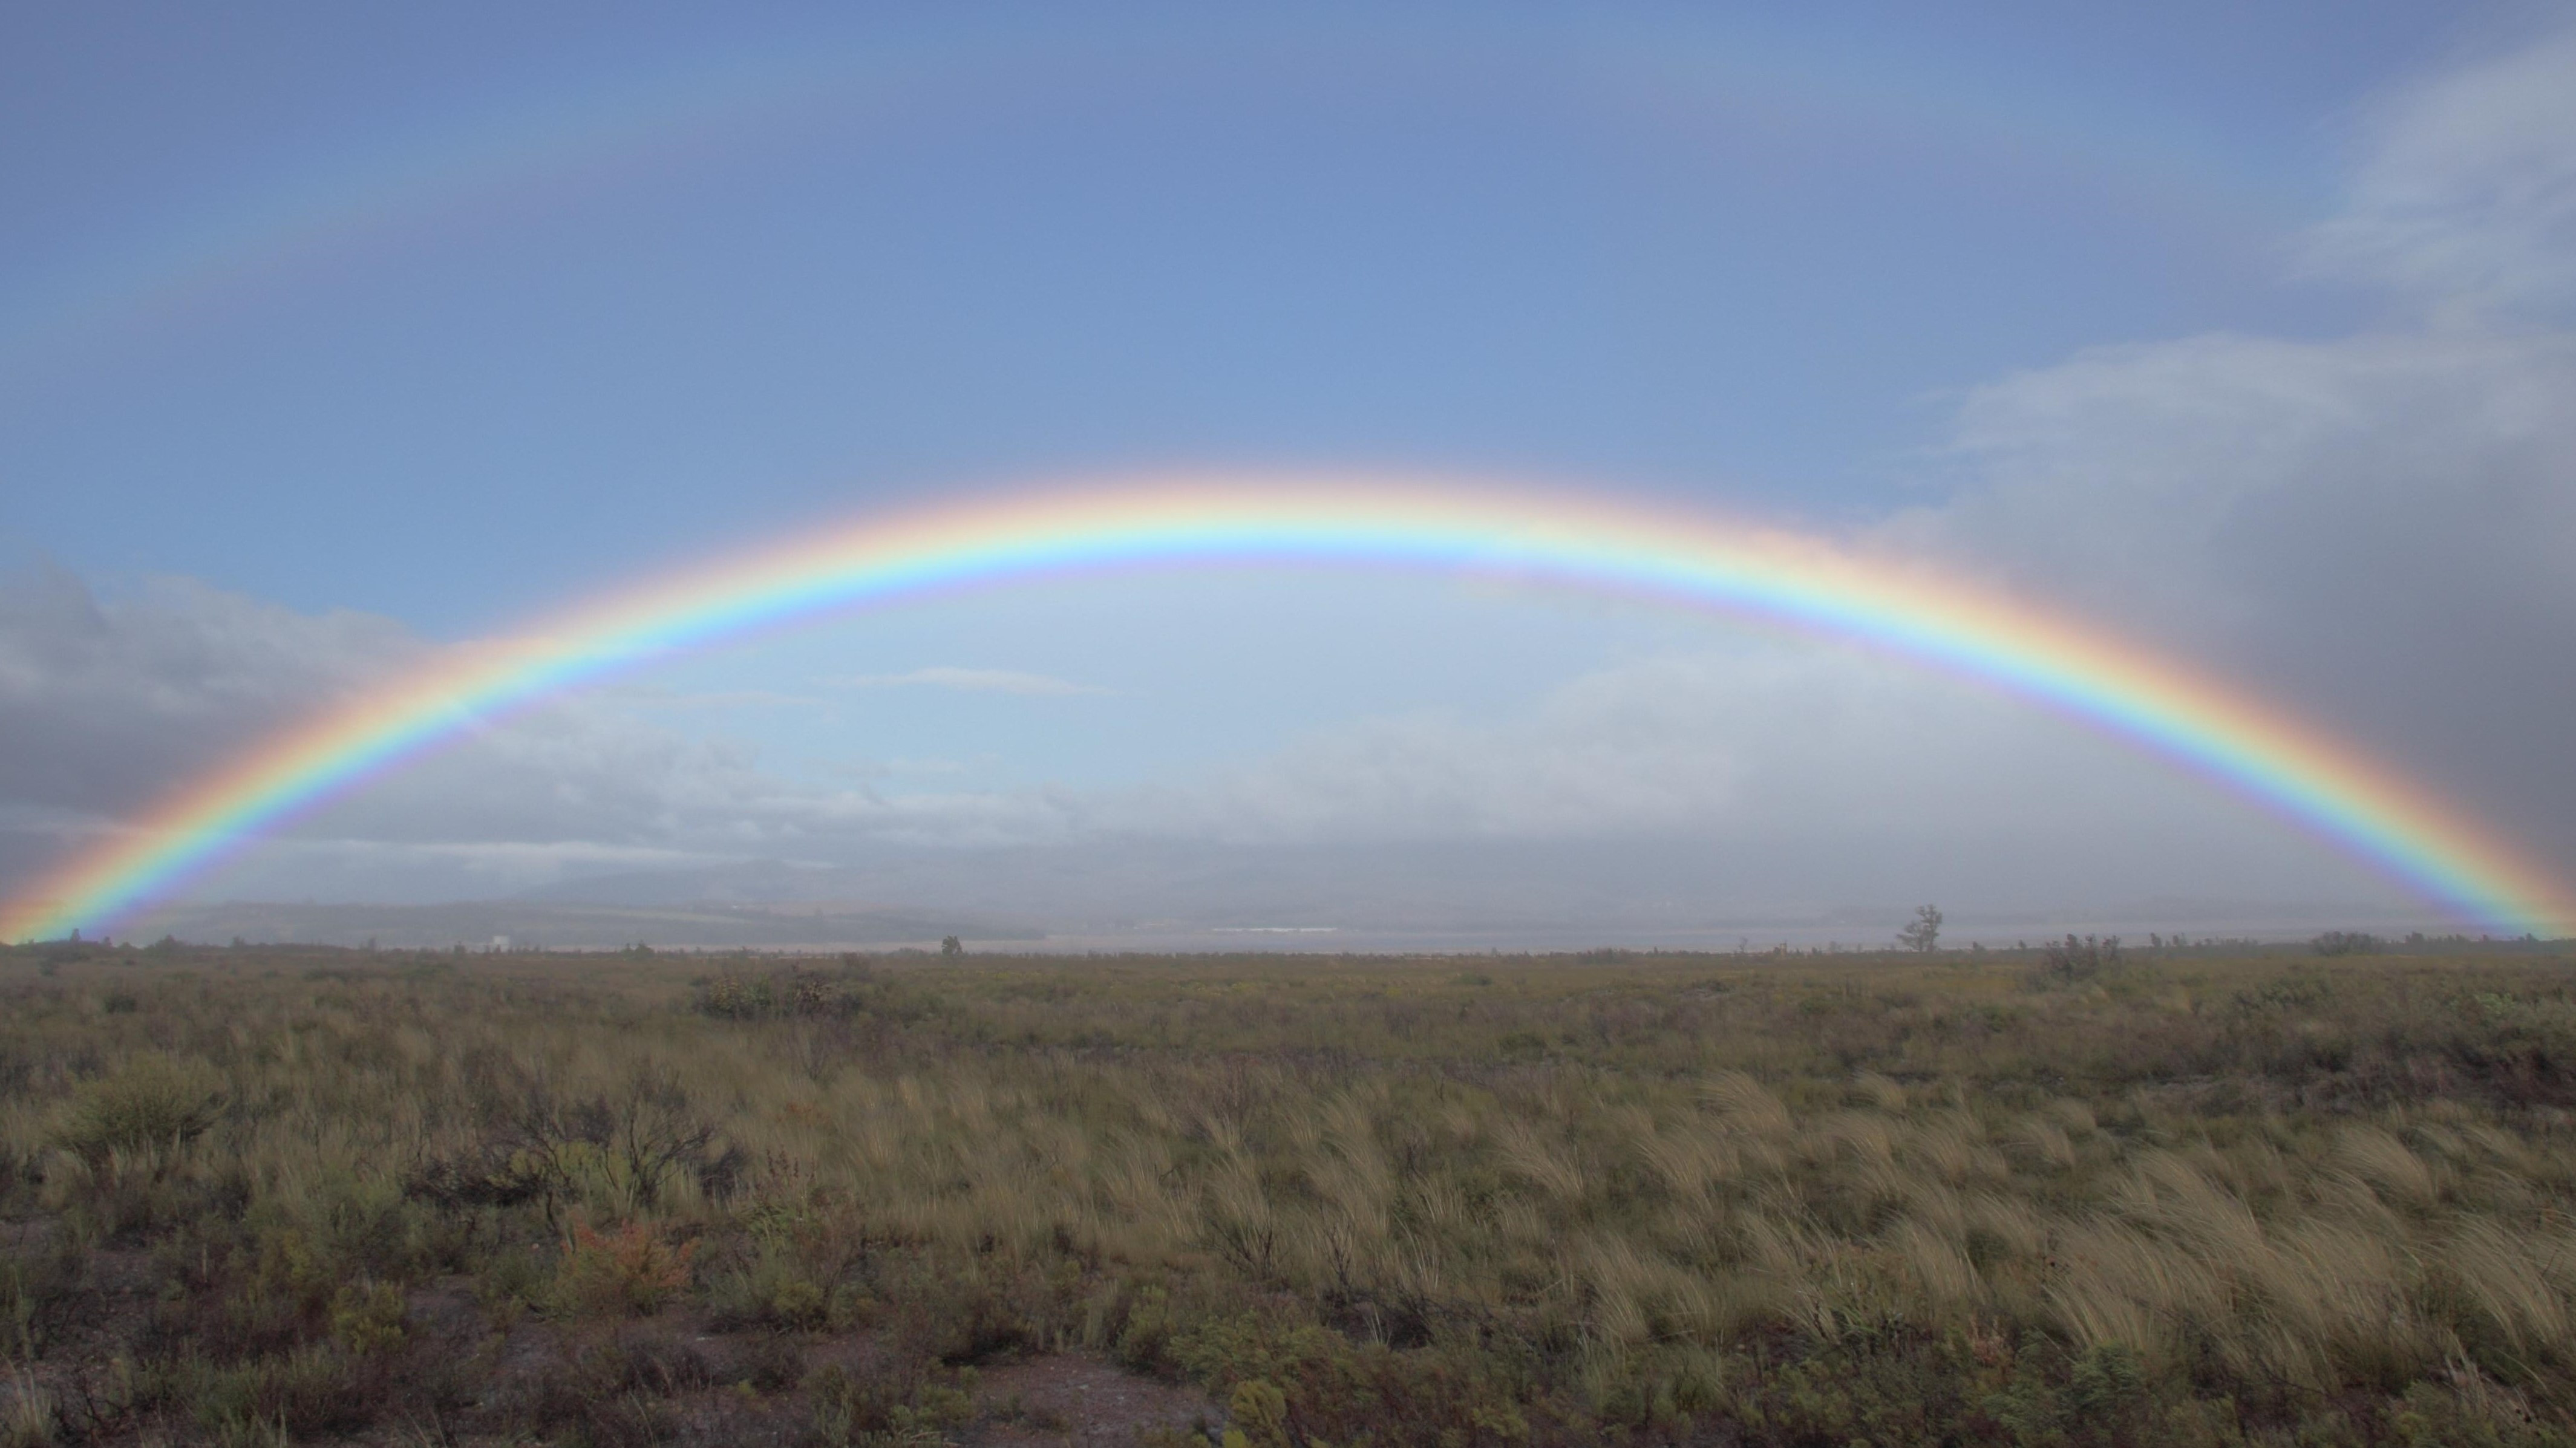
(1557, 540)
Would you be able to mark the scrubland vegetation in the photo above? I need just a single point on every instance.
(257, 1196)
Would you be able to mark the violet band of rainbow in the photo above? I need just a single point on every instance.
(2292, 769)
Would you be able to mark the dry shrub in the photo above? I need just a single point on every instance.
(631, 1270)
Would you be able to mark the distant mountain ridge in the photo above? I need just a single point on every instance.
(1167, 895)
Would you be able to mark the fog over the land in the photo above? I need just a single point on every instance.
(2375, 529)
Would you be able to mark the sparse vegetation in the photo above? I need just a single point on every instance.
(2067, 1196)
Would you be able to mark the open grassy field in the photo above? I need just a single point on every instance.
(2186, 1197)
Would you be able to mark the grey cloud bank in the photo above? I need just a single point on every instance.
(105, 702)
(2374, 528)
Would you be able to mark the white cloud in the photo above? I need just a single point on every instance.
(582, 770)
(2467, 195)
(983, 681)
(2227, 485)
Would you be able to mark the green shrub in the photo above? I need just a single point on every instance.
(273, 1397)
(736, 996)
(152, 1101)
(889, 1407)
(368, 1319)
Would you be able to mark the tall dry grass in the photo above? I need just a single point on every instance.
(1561, 1200)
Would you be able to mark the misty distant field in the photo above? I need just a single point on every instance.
(2089, 1196)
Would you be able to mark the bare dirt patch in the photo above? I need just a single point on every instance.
(1084, 1402)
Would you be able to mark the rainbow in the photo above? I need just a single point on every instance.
(1373, 523)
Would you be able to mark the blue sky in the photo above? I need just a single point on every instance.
(446, 318)
(1734, 256)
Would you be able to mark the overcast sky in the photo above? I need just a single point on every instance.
(330, 337)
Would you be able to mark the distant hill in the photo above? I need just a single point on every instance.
(1166, 895)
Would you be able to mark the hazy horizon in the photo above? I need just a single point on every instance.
(1077, 898)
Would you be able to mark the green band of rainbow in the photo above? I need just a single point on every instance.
(1397, 524)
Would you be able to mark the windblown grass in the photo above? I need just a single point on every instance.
(1651, 1199)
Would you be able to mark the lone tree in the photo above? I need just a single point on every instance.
(951, 946)
(1925, 932)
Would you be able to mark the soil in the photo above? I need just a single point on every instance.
(1082, 1402)
(713, 1387)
